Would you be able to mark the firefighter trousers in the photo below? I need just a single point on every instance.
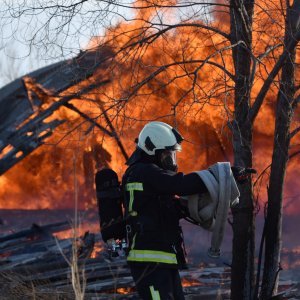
(156, 283)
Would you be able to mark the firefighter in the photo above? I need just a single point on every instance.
(151, 185)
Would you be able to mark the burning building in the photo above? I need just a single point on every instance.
(72, 118)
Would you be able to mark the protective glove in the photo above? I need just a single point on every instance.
(181, 204)
(241, 174)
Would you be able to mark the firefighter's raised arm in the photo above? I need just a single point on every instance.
(169, 182)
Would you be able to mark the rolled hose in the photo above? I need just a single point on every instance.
(210, 210)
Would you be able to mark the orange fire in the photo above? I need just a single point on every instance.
(190, 282)
(98, 248)
(45, 179)
(125, 290)
(77, 231)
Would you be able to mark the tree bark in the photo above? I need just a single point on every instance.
(284, 114)
(242, 273)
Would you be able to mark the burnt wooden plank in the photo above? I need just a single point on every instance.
(23, 245)
(33, 124)
(95, 273)
(110, 284)
(48, 271)
(15, 107)
(36, 230)
(54, 251)
(20, 135)
(63, 279)
(25, 144)
(54, 263)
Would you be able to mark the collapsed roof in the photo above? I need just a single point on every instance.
(23, 113)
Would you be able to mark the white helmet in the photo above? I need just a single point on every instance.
(158, 136)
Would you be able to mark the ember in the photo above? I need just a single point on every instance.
(98, 248)
(186, 282)
(125, 291)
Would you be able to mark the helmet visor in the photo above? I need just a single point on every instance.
(168, 160)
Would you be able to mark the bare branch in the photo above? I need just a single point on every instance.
(296, 100)
(294, 154)
(196, 25)
(114, 132)
(265, 88)
(85, 116)
(157, 5)
(164, 67)
(56, 6)
(259, 60)
(269, 166)
(294, 132)
(267, 52)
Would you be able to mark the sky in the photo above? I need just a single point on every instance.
(53, 41)
(36, 38)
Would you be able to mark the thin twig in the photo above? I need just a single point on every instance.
(85, 116)
(265, 88)
(294, 132)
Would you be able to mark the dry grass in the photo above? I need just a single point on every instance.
(77, 273)
(14, 286)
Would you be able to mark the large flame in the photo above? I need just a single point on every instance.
(190, 96)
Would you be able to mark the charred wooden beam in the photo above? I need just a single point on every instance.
(15, 105)
(23, 144)
(23, 125)
(36, 230)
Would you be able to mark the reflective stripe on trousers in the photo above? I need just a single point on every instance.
(154, 294)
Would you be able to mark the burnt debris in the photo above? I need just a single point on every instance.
(27, 102)
(35, 259)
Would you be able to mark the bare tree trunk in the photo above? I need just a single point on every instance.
(242, 273)
(284, 114)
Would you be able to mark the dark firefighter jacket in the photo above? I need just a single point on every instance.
(154, 232)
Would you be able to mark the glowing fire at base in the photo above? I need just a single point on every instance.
(186, 282)
(80, 231)
(125, 290)
(98, 248)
